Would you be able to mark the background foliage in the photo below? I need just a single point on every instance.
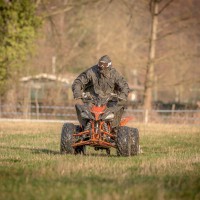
(18, 25)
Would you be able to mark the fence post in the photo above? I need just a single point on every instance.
(36, 104)
(0, 106)
(146, 116)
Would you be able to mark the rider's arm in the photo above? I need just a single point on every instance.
(122, 85)
(79, 84)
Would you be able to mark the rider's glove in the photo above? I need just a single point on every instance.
(122, 97)
(84, 95)
(113, 94)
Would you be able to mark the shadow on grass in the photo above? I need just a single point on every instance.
(45, 151)
(52, 152)
(99, 155)
(10, 160)
(33, 150)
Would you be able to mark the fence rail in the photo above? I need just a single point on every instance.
(68, 113)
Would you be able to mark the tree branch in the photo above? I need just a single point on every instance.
(150, 5)
(130, 10)
(165, 6)
(56, 12)
(177, 31)
(70, 7)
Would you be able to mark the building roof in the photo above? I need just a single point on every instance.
(50, 77)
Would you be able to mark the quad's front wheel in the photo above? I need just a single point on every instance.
(67, 140)
(127, 141)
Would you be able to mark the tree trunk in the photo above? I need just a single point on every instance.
(149, 79)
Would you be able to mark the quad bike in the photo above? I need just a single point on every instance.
(99, 128)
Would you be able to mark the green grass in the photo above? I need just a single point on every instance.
(32, 168)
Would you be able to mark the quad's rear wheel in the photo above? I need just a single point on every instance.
(67, 140)
(127, 141)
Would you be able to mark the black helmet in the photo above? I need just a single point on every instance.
(104, 62)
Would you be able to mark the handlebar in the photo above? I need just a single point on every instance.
(86, 97)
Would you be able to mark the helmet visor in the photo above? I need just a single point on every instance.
(103, 65)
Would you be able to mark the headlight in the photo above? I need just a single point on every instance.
(110, 116)
(84, 115)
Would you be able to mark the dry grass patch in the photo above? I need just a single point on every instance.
(170, 165)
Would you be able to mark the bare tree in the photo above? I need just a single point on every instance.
(152, 49)
(149, 77)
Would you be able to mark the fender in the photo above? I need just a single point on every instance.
(125, 120)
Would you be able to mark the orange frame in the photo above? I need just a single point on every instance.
(96, 140)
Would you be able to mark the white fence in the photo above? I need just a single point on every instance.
(68, 113)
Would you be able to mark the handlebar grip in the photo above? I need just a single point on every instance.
(113, 95)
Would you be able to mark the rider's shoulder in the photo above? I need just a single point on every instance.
(90, 69)
(93, 69)
(114, 71)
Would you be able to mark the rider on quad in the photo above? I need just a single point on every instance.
(104, 93)
(100, 81)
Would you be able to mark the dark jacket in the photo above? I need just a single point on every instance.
(100, 84)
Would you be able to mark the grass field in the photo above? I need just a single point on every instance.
(32, 168)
